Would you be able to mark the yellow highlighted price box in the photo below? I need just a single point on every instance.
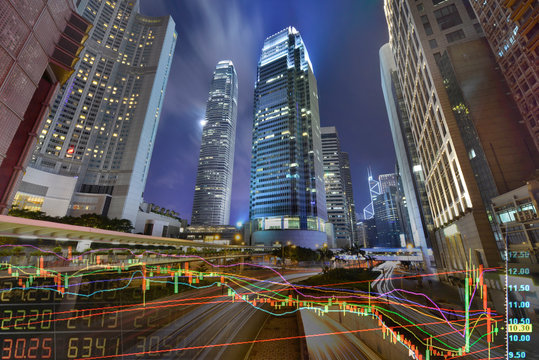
(519, 328)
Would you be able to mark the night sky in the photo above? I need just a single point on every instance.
(343, 43)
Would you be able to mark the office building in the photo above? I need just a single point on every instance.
(389, 224)
(410, 171)
(349, 191)
(370, 232)
(374, 190)
(338, 209)
(40, 42)
(154, 220)
(516, 214)
(361, 231)
(102, 125)
(462, 121)
(217, 234)
(511, 30)
(213, 189)
(388, 180)
(517, 226)
(287, 199)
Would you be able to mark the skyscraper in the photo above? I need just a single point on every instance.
(463, 123)
(39, 45)
(103, 123)
(335, 182)
(348, 189)
(409, 165)
(511, 30)
(213, 189)
(374, 190)
(389, 225)
(287, 199)
(387, 180)
(370, 232)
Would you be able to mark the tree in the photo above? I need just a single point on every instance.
(17, 251)
(356, 250)
(369, 258)
(202, 268)
(325, 253)
(87, 220)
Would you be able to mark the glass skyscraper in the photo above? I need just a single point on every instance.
(287, 185)
(213, 189)
(102, 125)
(388, 223)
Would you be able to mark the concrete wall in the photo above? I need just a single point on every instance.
(59, 190)
(158, 221)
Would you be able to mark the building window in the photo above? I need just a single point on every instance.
(455, 35)
(433, 44)
(28, 201)
(478, 28)
(469, 9)
(426, 24)
(447, 17)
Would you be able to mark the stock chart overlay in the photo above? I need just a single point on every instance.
(137, 304)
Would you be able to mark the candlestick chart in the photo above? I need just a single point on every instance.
(83, 307)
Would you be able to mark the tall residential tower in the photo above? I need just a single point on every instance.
(213, 189)
(102, 126)
(287, 199)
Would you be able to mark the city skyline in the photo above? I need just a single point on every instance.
(203, 194)
(196, 55)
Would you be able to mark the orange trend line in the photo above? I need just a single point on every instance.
(475, 352)
(229, 344)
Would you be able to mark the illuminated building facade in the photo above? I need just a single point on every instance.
(287, 198)
(410, 171)
(335, 182)
(103, 123)
(213, 189)
(463, 123)
(517, 223)
(39, 46)
(374, 190)
(511, 30)
(348, 189)
(388, 180)
(387, 214)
